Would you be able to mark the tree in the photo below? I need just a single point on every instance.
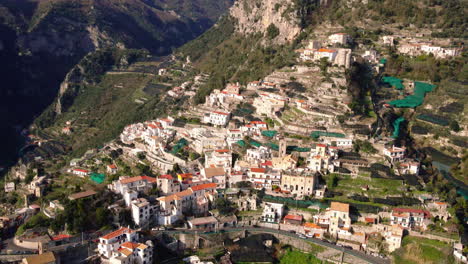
(334, 180)
(102, 216)
(323, 65)
(272, 31)
(455, 126)
(225, 206)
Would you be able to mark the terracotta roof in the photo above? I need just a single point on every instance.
(142, 246)
(293, 217)
(326, 50)
(370, 220)
(130, 245)
(116, 233)
(45, 258)
(112, 166)
(222, 150)
(220, 113)
(125, 251)
(60, 237)
(397, 211)
(80, 195)
(341, 207)
(258, 170)
(81, 170)
(138, 178)
(184, 193)
(166, 176)
(168, 198)
(258, 122)
(203, 186)
(312, 225)
(321, 145)
(211, 172)
(203, 220)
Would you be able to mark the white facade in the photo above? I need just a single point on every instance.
(395, 153)
(112, 241)
(339, 38)
(142, 211)
(217, 118)
(272, 212)
(258, 154)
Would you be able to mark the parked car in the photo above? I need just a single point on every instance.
(302, 236)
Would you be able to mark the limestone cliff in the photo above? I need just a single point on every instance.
(257, 16)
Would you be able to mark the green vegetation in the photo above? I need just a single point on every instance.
(297, 257)
(272, 31)
(443, 15)
(363, 146)
(225, 206)
(422, 250)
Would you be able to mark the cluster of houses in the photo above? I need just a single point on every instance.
(419, 48)
(315, 51)
(338, 222)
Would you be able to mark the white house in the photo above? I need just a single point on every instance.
(112, 169)
(142, 211)
(258, 154)
(409, 218)
(133, 253)
(272, 212)
(395, 153)
(234, 135)
(330, 54)
(340, 220)
(215, 175)
(80, 172)
(221, 158)
(339, 38)
(217, 118)
(112, 241)
(138, 183)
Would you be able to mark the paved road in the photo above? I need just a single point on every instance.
(355, 253)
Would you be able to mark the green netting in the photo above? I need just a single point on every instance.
(411, 101)
(179, 145)
(273, 146)
(255, 143)
(383, 61)
(394, 82)
(396, 126)
(241, 143)
(434, 119)
(301, 149)
(252, 142)
(269, 133)
(317, 134)
(97, 177)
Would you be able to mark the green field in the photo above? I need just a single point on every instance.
(422, 250)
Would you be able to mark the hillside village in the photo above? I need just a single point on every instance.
(284, 152)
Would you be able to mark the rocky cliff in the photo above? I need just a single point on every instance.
(257, 16)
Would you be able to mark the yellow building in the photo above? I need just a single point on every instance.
(301, 185)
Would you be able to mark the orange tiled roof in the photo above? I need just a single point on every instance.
(203, 186)
(326, 50)
(118, 232)
(341, 207)
(138, 178)
(258, 170)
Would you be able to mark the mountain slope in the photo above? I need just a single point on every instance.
(41, 40)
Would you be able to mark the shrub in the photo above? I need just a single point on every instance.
(272, 31)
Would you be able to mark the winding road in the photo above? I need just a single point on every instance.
(357, 254)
